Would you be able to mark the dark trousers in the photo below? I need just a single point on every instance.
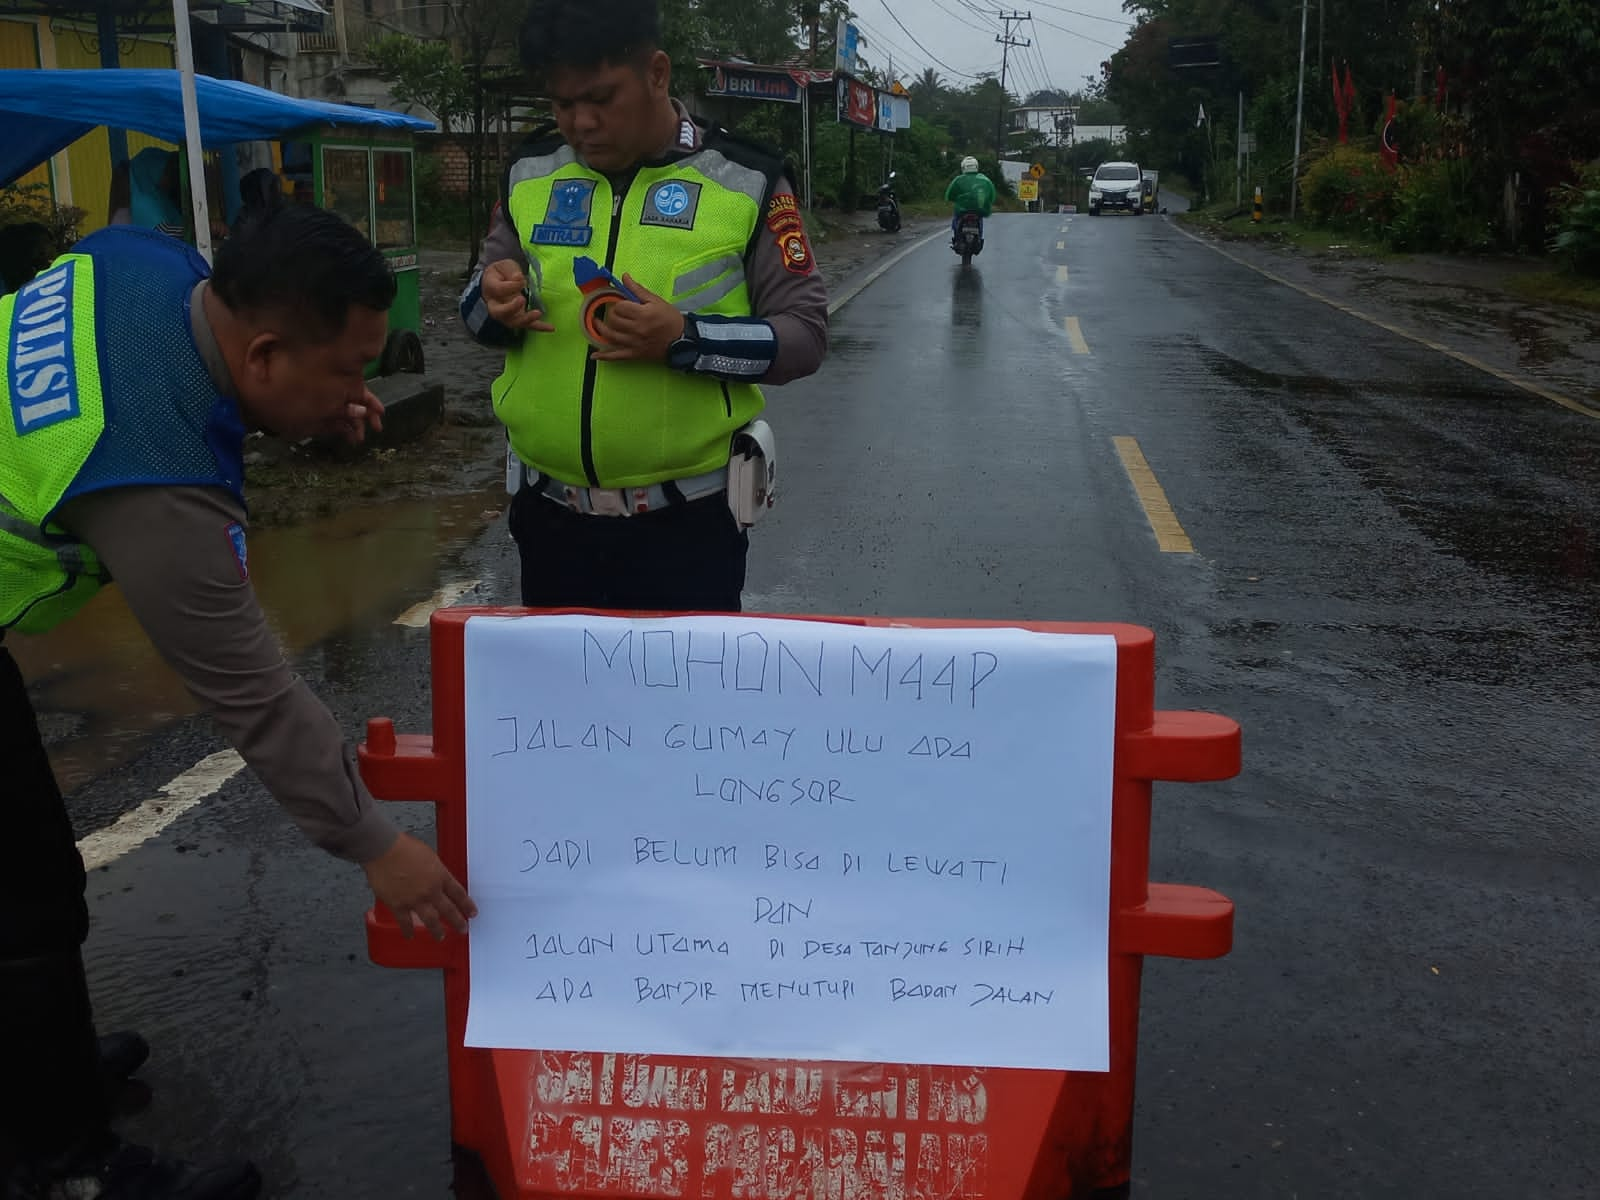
(50, 1091)
(41, 872)
(683, 558)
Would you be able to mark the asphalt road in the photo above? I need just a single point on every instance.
(1394, 585)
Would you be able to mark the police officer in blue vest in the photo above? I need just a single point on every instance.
(132, 375)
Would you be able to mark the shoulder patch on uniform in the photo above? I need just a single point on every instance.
(241, 553)
(687, 137)
(41, 369)
(796, 253)
(783, 220)
(783, 213)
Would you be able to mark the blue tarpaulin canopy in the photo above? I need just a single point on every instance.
(45, 111)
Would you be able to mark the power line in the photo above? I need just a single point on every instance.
(919, 45)
(957, 17)
(982, 13)
(1044, 66)
(1023, 75)
(1075, 33)
(874, 38)
(1092, 16)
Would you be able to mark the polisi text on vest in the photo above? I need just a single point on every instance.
(39, 367)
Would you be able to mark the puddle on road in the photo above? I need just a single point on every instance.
(100, 687)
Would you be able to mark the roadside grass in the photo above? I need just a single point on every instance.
(1278, 230)
(1557, 287)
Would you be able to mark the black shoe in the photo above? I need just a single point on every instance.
(121, 1055)
(117, 1171)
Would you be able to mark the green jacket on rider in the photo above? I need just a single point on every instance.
(972, 192)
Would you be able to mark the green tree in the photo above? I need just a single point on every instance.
(927, 88)
(486, 33)
(424, 73)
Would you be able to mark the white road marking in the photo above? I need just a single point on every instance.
(1061, 273)
(1075, 336)
(133, 829)
(416, 617)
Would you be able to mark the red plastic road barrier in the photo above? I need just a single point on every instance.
(555, 1123)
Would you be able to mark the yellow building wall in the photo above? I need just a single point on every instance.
(89, 159)
(19, 49)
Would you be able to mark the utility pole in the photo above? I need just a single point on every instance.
(1006, 41)
(1299, 109)
(1238, 158)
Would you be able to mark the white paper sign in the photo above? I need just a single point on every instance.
(727, 836)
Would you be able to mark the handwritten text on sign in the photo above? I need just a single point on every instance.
(787, 839)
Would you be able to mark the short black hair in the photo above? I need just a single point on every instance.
(587, 33)
(306, 267)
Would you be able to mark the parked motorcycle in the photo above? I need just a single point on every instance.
(888, 206)
(968, 239)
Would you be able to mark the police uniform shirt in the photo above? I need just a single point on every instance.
(179, 555)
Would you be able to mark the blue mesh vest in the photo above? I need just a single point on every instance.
(138, 408)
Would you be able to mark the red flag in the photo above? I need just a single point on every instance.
(1343, 101)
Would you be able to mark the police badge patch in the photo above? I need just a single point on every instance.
(566, 221)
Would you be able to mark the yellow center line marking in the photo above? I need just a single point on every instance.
(1061, 245)
(1157, 510)
(1075, 336)
(1061, 273)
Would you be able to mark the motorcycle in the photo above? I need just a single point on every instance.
(888, 206)
(968, 239)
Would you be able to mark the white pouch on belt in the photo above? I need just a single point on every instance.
(514, 473)
(752, 472)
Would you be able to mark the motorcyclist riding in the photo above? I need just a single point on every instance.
(969, 192)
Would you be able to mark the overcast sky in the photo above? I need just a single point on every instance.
(957, 38)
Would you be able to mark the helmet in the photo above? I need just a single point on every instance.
(969, 165)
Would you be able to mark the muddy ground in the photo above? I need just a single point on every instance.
(463, 453)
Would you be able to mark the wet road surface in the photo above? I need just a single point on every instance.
(1394, 587)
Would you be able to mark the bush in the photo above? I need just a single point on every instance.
(1350, 190)
(1436, 208)
(1576, 244)
(441, 216)
(923, 164)
(26, 202)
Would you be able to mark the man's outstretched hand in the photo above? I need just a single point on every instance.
(411, 880)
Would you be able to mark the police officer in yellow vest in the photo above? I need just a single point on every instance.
(645, 274)
(132, 374)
